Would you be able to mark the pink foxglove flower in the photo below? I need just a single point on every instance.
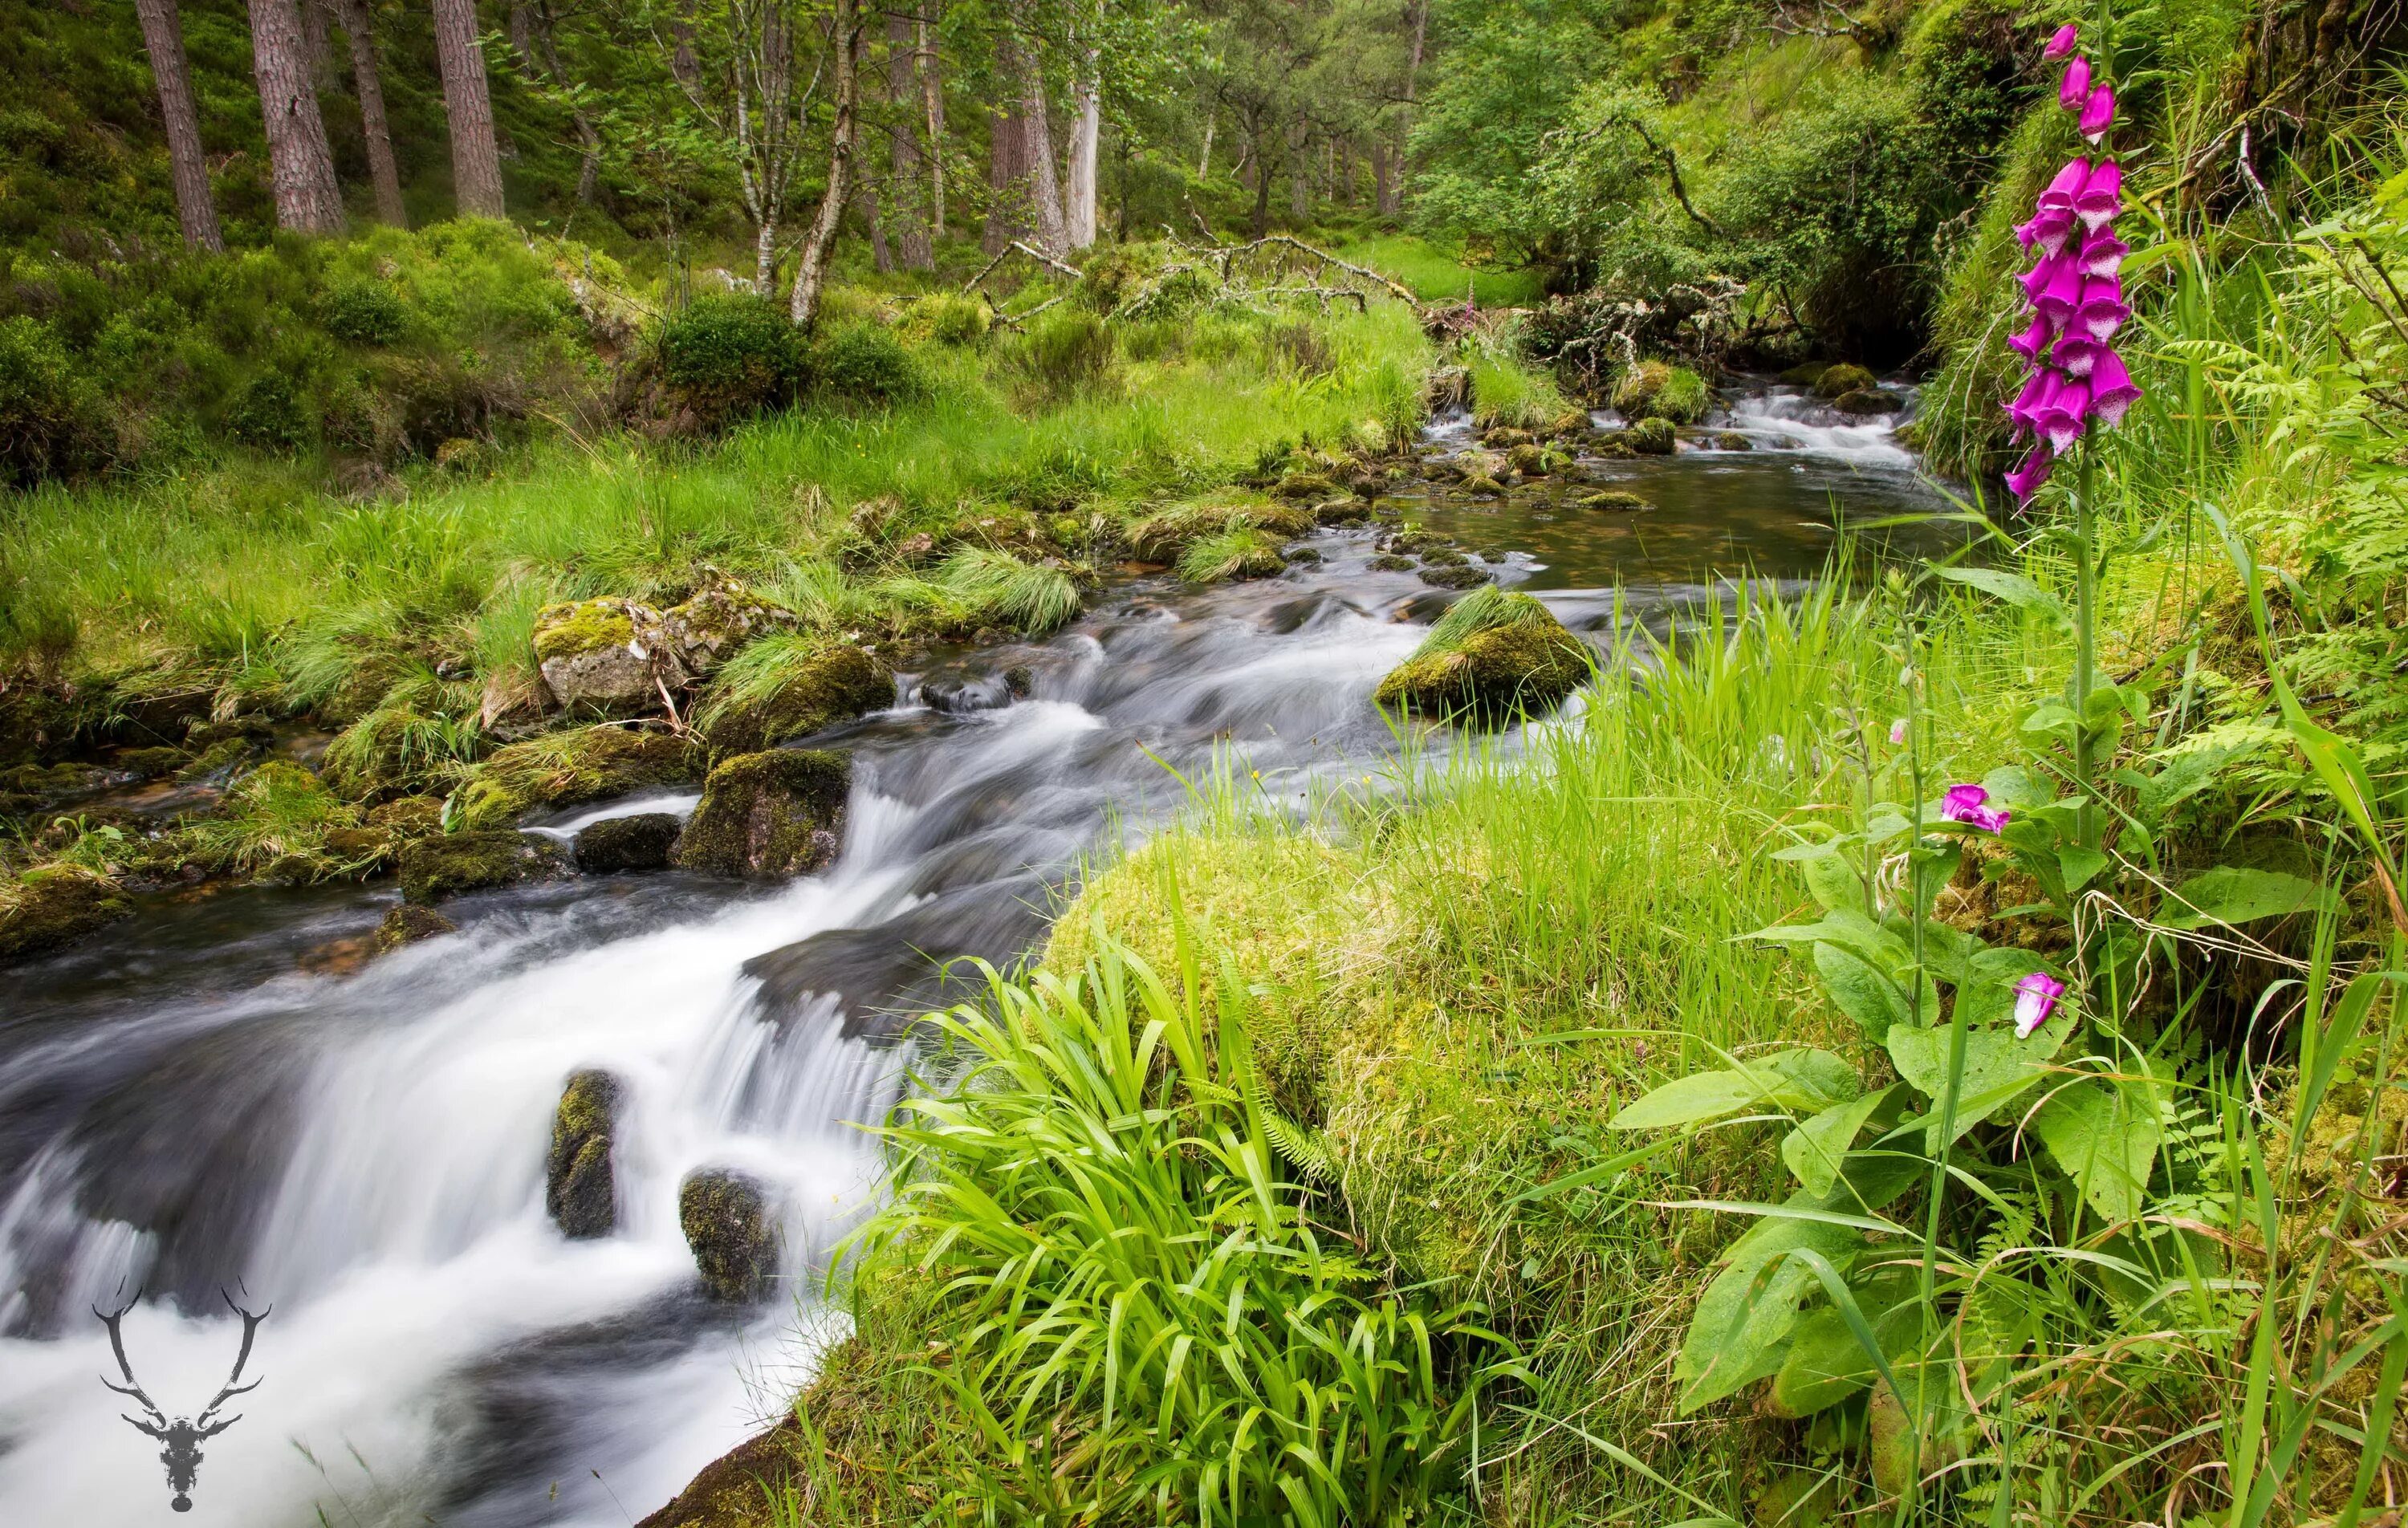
(2061, 298)
(2032, 341)
(2026, 408)
(2036, 998)
(2097, 113)
(2078, 354)
(1898, 732)
(2026, 479)
(2102, 254)
(2060, 420)
(2060, 193)
(2100, 311)
(2100, 197)
(2074, 88)
(1971, 805)
(2111, 389)
(2060, 43)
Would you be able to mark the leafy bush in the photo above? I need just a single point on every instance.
(49, 419)
(270, 413)
(1067, 351)
(363, 313)
(863, 364)
(731, 356)
(950, 319)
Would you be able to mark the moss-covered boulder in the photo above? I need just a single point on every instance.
(791, 688)
(1479, 485)
(1493, 657)
(1805, 374)
(570, 768)
(1505, 437)
(1867, 401)
(735, 1489)
(646, 841)
(1305, 485)
(409, 817)
(1614, 500)
(1655, 390)
(408, 924)
(1731, 440)
(434, 868)
(50, 908)
(727, 1225)
(770, 814)
(1838, 382)
(1649, 438)
(603, 655)
(709, 629)
(579, 1191)
(1458, 575)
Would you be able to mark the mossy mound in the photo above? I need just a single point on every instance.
(409, 817)
(736, 1490)
(1649, 438)
(770, 814)
(1867, 401)
(1231, 556)
(1480, 485)
(569, 768)
(808, 686)
(1731, 440)
(1493, 657)
(53, 907)
(646, 841)
(1163, 535)
(1840, 380)
(1805, 374)
(408, 924)
(726, 1218)
(579, 1191)
(1655, 389)
(1454, 576)
(1613, 499)
(1305, 485)
(603, 655)
(1389, 562)
(433, 868)
(709, 629)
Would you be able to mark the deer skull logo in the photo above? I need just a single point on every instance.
(182, 1436)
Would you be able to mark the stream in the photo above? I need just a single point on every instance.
(212, 1096)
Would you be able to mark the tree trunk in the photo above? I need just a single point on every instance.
(881, 255)
(1086, 131)
(1262, 192)
(1028, 192)
(1204, 160)
(764, 258)
(1300, 175)
(163, 37)
(683, 63)
(475, 163)
(589, 137)
(932, 88)
(1383, 190)
(301, 167)
(316, 44)
(811, 270)
(367, 82)
(914, 247)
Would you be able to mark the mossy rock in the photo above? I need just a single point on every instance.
(601, 654)
(408, 924)
(53, 907)
(1305, 485)
(1612, 500)
(1657, 391)
(1529, 461)
(710, 628)
(433, 868)
(735, 1489)
(726, 1218)
(819, 689)
(1805, 374)
(1868, 400)
(409, 817)
(1481, 486)
(1340, 512)
(647, 841)
(1491, 658)
(219, 760)
(1651, 438)
(579, 1191)
(150, 763)
(1505, 437)
(1731, 440)
(1840, 380)
(1390, 563)
(1459, 575)
(360, 850)
(570, 768)
(770, 814)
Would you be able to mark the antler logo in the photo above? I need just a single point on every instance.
(183, 1436)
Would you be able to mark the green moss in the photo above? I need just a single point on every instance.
(278, 821)
(578, 1192)
(645, 841)
(775, 813)
(1494, 656)
(1844, 378)
(433, 868)
(1231, 555)
(727, 1227)
(568, 768)
(1611, 499)
(52, 909)
(1649, 438)
(564, 630)
(789, 686)
(1657, 390)
(408, 924)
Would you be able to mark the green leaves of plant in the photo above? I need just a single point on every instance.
(2233, 895)
(1999, 1069)
(2105, 1135)
(1817, 1150)
(1800, 1082)
(2015, 589)
(1746, 1313)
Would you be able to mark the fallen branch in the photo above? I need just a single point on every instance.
(1006, 251)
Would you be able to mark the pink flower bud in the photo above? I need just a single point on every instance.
(2111, 389)
(2036, 998)
(2032, 341)
(2060, 44)
(2075, 87)
(1898, 732)
(2101, 192)
(2026, 479)
(2097, 114)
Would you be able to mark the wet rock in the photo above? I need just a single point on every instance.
(578, 1192)
(1443, 556)
(709, 629)
(408, 924)
(357, 851)
(1613, 499)
(1805, 374)
(1391, 563)
(1654, 389)
(1494, 656)
(1304, 556)
(150, 763)
(1457, 576)
(1305, 485)
(1651, 438)
(219, 761)
(1481, 486)
(1529, 461)
(54, 908)
(1505, 438)
(1493, 554)
(571, 768)
(1838, 382)
(1868, 400)
(409, 817)
(732, 1491)
(1731, 440)
(726, 1218)
(603, 655)
(1020, 682)
(772, 814)
(1340, 512)
(818, 687)
(433, 868)
(646, 841)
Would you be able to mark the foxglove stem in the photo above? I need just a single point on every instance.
(2085, 595)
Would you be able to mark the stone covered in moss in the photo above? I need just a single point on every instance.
(570, 768)
(1480, 485)
(1731, 440)
(726, 1218)
(820, 688)
(646, 841)
(708, 630)
(408, 924)
(736, 1490)
(409, 817)
(1611, 499)
(148, 763)
(1388, 562)
(1805, 374)
(219, 761)
(53, 907)
(1866, 401)
(1838, 382)
(1455, 576)
(1655, 389)
(433, 868)
(769, 814)
(1492, 658)
(1649, 438)
(603, 655)
(578, 1192)
(1305, 485)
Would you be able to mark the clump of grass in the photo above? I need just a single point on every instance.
(275, 821)
(1239, 553)
(1024, 596)
(1505, 393)
(420, 731)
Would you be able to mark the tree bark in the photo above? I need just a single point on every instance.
(932, 88)
(683, 63)
(1027, 190)
(163, 37)
(811, 270)
(475, 162)
(914, 247)
(542, 31)
(301, 168)
(367, 82)
(1299, 173)
(881, 255)
(1086, 131)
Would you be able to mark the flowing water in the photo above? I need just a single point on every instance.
(218, 1096)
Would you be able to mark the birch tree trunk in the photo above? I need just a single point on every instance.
(367, 82)
(475, 162)
(811, 270)
(932, 89)
(301, 168)
(162, 39)
(1079, 193)
(914, 247)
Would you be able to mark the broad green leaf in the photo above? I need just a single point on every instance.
(2014, 785)
(2012, 588)
(1744, 1315)
(1986, 994)
(1827, 1362)
(1840, 927)
(1800, 1081)
(1816, 1150)
(2234, 895)
(1999, 1069)
(1833, 882)
(2105, 1136)
(1862, 993)
(2078, 864)
(1809, 1080)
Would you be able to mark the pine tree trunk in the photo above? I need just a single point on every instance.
(811, 270)
(683, 63)
(915, 249)
(475, 162)
(881, 255)
(1079, 193)
(932, 87)
(301, 167)
(367, 81)
(1027, 190)
(163, 37)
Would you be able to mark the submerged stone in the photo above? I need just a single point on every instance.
(645, 841)
(1611, 499)
(54, 908)
(772, 814)
(433, 868)
(408, 924)
(579, 1191)
(726, 1218)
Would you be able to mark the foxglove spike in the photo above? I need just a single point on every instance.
(2060, 43)
(2102, 310)
(2060, 193)
(2061, 298)
(2111, 389)
(2102, 254)
(2060, 420)
(2077, 355)
(2030, 403)
(2032, 341)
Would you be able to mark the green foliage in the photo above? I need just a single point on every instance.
(50, 418)
(364, 312)
(1067, 351)
(1024, 597)
(862, 366)
(731, 356)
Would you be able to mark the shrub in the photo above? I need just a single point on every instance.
(363, 313)
(270, 413)
(863, 364)
(950, 319)
(1067, 351)
(730, 356)
(51, 422)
